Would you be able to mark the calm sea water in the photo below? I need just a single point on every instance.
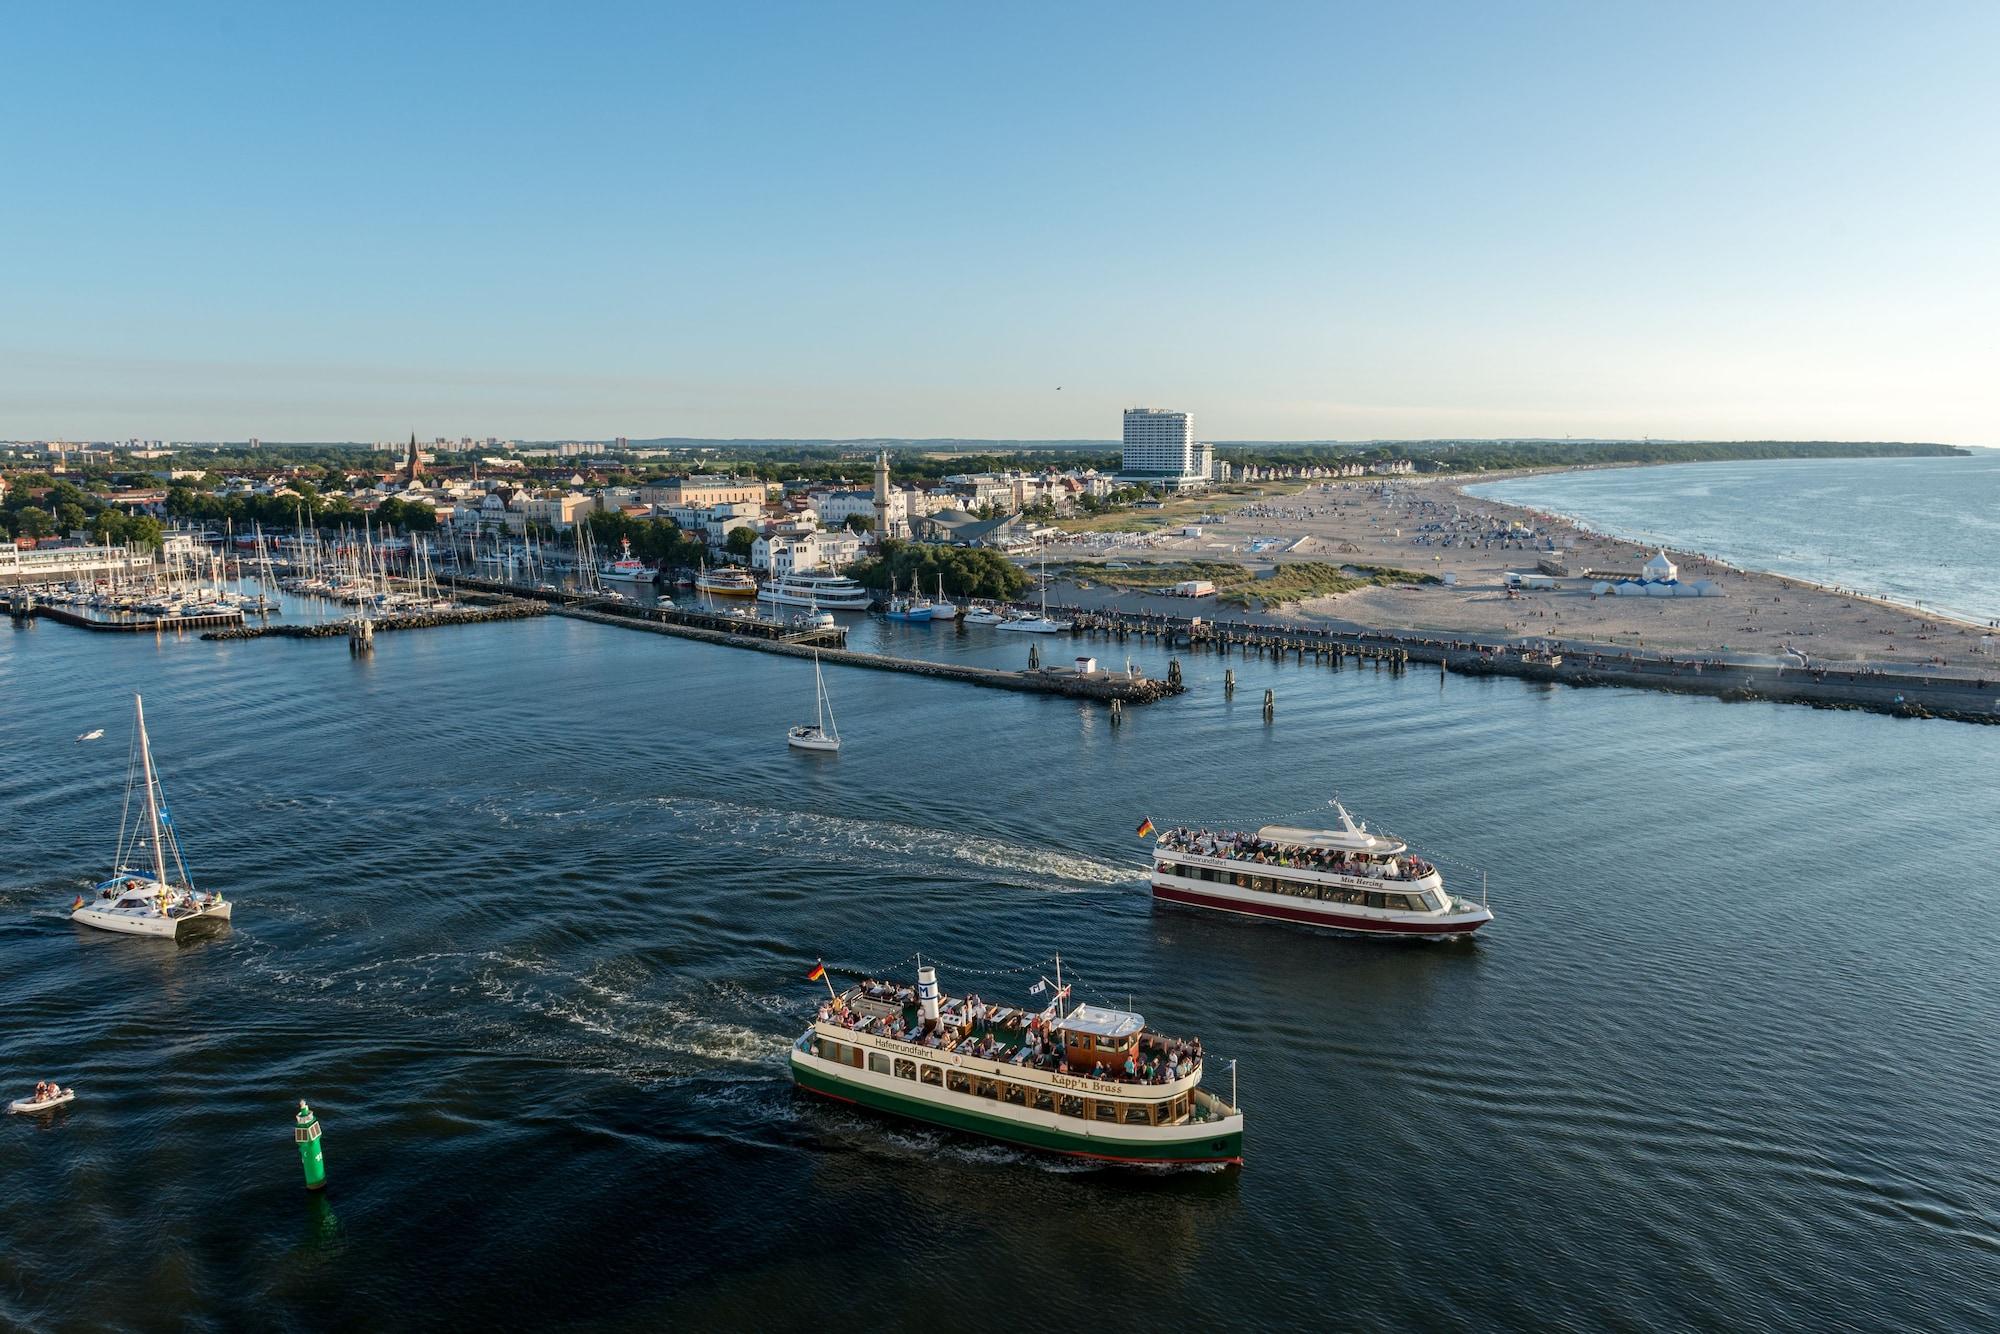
(1912, 530)
(526, 911)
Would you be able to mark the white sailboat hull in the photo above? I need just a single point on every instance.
(149, 922)
(811, 738)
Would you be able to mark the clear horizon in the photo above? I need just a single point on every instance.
(1298, 223)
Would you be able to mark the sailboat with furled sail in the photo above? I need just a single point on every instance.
(150, 892)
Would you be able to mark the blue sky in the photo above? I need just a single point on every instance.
(354, 221)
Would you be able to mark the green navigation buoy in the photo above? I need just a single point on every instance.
(306, 1132)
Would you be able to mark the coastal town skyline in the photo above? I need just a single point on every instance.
(930, 667)
(1324, 224)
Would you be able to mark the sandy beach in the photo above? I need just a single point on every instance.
(1432, 526)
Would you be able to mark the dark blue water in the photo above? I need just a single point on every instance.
(526, 911)
(1917, 531)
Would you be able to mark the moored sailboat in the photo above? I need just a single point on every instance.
(1037, 625)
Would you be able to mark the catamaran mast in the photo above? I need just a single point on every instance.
(152, 792)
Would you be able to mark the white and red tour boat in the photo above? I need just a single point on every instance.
(1344, 878)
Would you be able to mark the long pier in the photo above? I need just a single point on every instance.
(1904, 694)
(743, 627)
(1109, 687)
(1115, 688)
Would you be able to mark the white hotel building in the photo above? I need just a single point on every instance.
(1160, 450)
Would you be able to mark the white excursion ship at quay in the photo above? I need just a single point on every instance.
(821, 592)
(1089, 1081)
(1344, 877)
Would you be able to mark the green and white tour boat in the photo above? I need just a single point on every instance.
(1087, 1081)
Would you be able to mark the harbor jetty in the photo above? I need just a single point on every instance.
(1886, 690)
(1080, 680)
(1076, 682)
(411, 620)
(741, 624)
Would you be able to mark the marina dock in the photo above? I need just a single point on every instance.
(24, 607)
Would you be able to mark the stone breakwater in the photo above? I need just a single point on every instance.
(1901, 693)
(420, 620)
(1109, 687)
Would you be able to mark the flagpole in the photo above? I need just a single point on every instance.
(829, 983)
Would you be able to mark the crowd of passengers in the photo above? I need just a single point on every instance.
(1250, 848)
(972, 1028)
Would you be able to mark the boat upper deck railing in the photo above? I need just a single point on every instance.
(1263, 852)
(1004, 1035)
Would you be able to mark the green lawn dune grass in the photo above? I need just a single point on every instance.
(1240, 586)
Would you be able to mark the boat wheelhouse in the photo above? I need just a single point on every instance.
(831, 592)
(1344, 878)
(1088, 1081)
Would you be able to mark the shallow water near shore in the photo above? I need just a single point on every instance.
(1919, 531)
(526, 911)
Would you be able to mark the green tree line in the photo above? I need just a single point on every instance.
(68, 508)
(968, 572)
(658, 540)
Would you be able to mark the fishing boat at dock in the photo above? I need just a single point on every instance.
(1087, 1081)
(141, 897)
(1343, 877)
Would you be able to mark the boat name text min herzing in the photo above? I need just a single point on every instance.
(938, 1057)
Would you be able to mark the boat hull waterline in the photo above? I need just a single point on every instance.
(152, 924)
(24, 1105)
(1335, 921)
(1216, 1144)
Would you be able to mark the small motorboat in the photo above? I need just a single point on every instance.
(60, 1098)
(92, 735)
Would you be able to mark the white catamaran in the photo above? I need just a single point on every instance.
(141, 898)
(822, 734)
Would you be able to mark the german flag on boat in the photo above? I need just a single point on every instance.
(819, 971)
(1146, 828)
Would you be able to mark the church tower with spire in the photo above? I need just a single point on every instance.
(415, 464)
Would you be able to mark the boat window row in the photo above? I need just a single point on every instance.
(1426, 900)
(1167, 1111)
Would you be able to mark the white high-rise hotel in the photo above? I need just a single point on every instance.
(1160, 450)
